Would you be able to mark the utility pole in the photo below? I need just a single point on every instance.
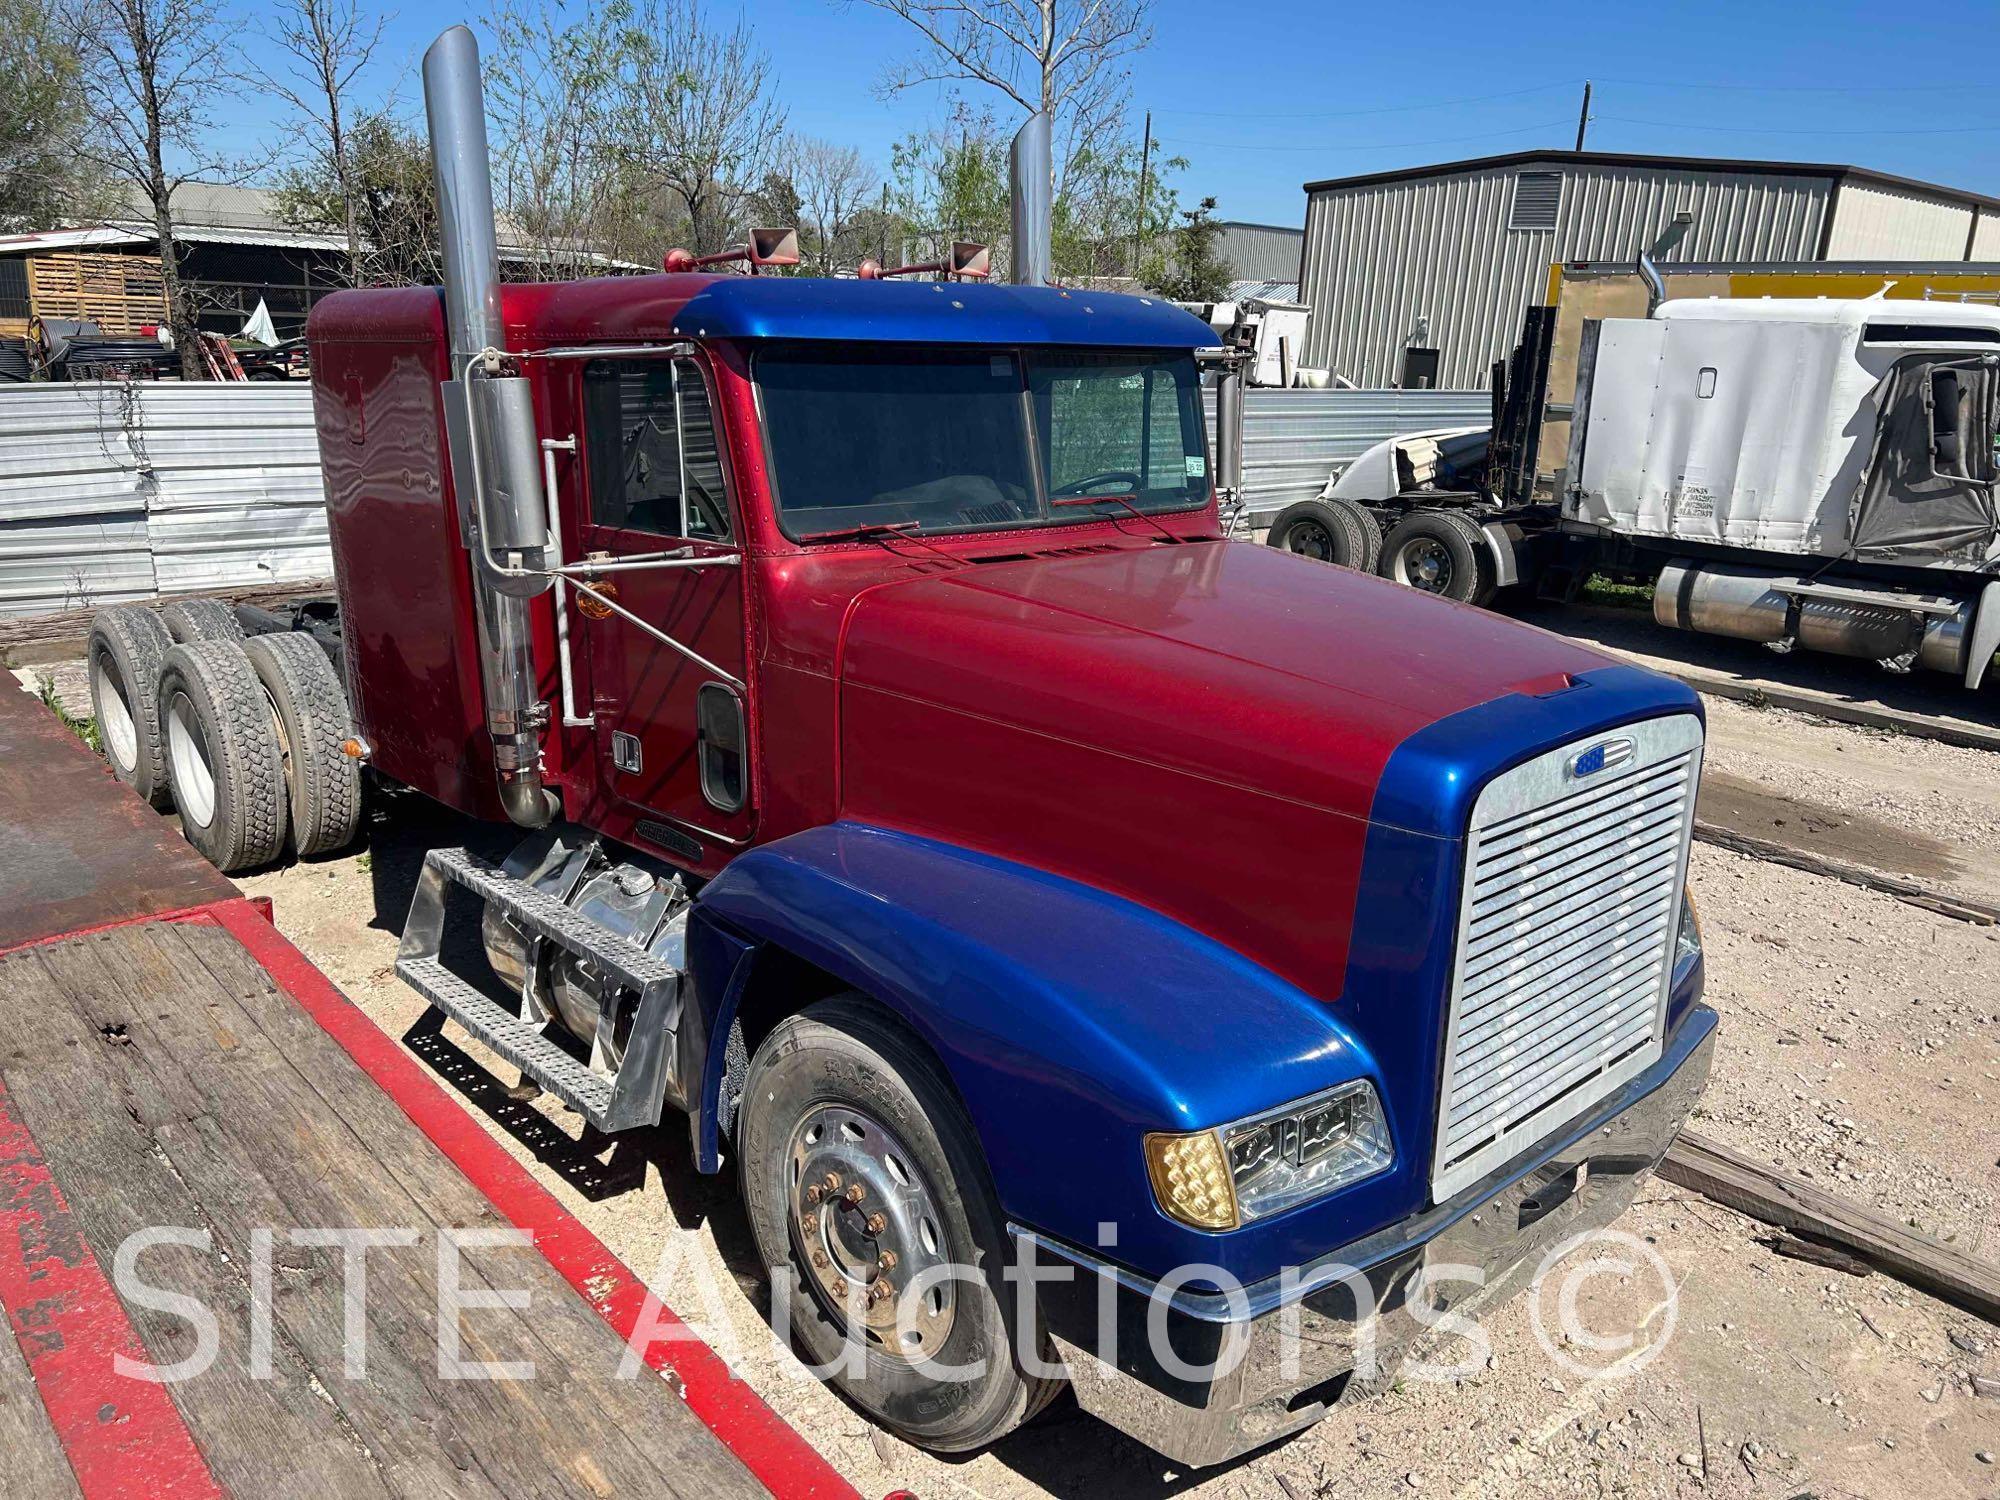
(1139, 228)
(1583, 116)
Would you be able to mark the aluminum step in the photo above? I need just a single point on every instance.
(630, 1096)
(521, 1042)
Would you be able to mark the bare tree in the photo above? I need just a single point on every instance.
(700, 114)
(834, 185)
(328, 44)
(558, 91)
(1065, 58)
(153, 70)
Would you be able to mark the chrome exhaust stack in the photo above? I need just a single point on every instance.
(1031, 173)
(489, 418)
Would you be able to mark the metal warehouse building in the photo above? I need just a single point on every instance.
(1447, 258)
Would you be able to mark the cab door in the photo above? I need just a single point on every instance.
(664, 627)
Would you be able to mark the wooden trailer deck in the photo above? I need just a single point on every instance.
(187, 1106)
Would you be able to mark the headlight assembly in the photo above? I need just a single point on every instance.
(1219, 1179)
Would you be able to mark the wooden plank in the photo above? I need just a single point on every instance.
(120, 293)
(33, 1457)
(65, 1078)
(569, 1335)
(77, 849)
(1736, 1181)
(261, 1137)
(1914, 892)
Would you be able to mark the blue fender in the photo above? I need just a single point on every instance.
(1070, 1021)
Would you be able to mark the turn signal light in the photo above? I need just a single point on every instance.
(1191, 1179)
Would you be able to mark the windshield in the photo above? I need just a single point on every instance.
(962, 440)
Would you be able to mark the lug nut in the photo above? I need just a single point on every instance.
(882, 1290)
(877, 1223)
(855, 1194)
(809, 1223)
(819, 1260)
(831, 1182)
(886, 1260)
(815, 1193)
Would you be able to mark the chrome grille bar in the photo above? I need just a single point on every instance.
(1565, 940)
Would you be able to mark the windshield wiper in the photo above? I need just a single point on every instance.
(881, 531)
(1125, 500)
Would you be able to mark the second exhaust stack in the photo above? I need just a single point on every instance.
(1031, 174)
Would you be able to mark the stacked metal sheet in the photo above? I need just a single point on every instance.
(111, 490)
(1293, 438)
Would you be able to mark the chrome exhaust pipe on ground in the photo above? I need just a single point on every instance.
(496, 470)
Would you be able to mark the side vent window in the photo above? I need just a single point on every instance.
(720, 746)
(1536, 197)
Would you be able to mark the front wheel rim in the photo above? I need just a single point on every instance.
(194, 777)
(869, 1233)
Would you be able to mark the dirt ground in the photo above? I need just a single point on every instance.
(1861, 1045)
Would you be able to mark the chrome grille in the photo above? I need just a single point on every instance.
(1574, 865)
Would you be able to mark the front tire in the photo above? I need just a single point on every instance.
(839, 1099)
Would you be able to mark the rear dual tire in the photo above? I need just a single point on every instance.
(127, 645)
(223, 759)
(310, 714)
(1440, 552)
(1336, 531)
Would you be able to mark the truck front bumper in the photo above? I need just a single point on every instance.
(1202, 1377)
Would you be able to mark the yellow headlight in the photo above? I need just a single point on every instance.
(1191, 1179)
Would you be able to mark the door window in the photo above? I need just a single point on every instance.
(655, 462)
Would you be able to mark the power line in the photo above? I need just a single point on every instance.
(1387, 109)
(1800, 88)
(1436, 140)
(1786, 130)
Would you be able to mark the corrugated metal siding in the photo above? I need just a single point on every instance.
(111, 492)
(1379, 255)
(1291, 439)
(1259, 252)
(1986, 237)
(1885, 223)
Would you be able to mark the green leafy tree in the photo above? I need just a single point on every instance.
(1187, 267)
(390, 191)
(46, 178)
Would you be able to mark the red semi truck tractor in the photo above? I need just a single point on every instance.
(1103, 951)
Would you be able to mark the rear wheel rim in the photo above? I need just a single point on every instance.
(877, 1257)
(1309, 539)
(114, 718)
(1425, 563)
(194, 776)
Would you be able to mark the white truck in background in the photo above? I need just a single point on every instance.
(1813, 473)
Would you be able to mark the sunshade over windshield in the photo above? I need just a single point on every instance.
(956, 440)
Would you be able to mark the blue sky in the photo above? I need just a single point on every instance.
(1261, 99)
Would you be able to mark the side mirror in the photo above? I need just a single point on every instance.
(1947, 454)
(721, 742)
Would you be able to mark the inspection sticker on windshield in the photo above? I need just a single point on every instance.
(1197, 466)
